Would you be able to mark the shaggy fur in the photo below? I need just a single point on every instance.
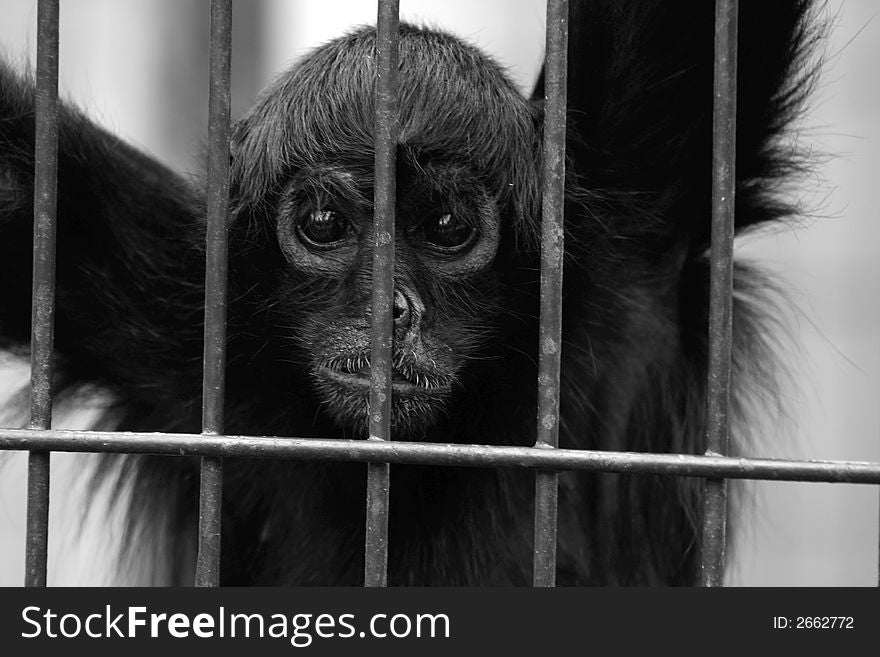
(131, 271)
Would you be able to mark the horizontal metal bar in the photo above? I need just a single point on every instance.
(444, 454)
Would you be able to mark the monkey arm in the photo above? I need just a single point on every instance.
(128, 249)
(640, 90)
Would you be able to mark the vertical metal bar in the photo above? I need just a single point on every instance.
(721, 285)
(213, 381)
(43, 291)
(552, 250)
(379, 474)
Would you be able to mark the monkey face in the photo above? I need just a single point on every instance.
(447, 234)
(302, 174)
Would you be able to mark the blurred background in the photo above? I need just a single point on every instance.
(139, 67)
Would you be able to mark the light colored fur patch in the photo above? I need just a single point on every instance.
(87, 530)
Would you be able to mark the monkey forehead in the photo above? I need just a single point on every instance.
(453, 100)
(447, 89)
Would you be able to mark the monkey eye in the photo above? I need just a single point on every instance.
(322, 228)
(447, 232)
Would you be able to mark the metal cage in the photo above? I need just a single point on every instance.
(379, 451)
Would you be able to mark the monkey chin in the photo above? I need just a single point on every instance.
(416, 402)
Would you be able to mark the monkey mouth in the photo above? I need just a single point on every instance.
(418, 396)
(407, 378)
(360, 382)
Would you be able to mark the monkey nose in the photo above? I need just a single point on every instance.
(402, 310)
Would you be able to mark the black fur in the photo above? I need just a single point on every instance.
(131, 270)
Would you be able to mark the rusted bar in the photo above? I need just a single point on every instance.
(386, 119)
(210, 510)
(214, 362)
(43, 290)
(721, 285)
(442, 454)
(552, 249)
